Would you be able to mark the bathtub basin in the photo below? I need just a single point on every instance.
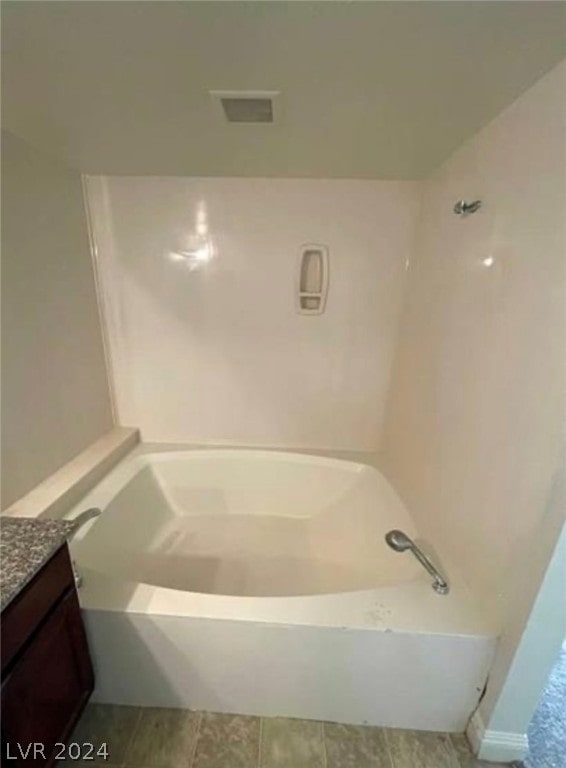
(259, 582)
(251, 523)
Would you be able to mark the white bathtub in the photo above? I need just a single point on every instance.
(259, 582)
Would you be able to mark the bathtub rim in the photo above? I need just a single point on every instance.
(131, 464)
(408, 607)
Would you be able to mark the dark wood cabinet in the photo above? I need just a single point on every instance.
(47, 674)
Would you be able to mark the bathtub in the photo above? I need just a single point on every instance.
(259, 582)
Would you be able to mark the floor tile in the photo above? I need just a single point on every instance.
(420, 749)
(351, 746)
(106, 723)
(291, 744)
(163, 738)
(466, 757)
(227, 741)
(85, 764)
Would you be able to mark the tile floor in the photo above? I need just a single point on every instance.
(174, 738)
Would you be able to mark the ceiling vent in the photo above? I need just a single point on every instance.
(247, 107)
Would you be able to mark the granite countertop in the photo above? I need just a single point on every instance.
(26, 544)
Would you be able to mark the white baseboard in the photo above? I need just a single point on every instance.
(497, 746)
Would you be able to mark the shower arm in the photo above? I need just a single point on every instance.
(399, 541)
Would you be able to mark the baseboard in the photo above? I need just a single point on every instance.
(497, 746)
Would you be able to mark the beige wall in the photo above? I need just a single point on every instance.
(476, 408)
(55, 397)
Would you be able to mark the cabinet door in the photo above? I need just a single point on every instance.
(47, 688)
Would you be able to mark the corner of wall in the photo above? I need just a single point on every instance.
(99, 298)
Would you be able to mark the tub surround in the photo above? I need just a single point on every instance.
(216, 353)
(25, 547)
(475, 428)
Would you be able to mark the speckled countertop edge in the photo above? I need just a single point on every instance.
(26, 544)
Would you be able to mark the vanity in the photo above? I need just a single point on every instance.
(47, 674)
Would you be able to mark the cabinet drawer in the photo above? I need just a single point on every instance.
(27, 611)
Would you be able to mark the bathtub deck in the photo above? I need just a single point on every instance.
(144, 738)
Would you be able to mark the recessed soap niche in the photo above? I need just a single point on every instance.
(312, 279)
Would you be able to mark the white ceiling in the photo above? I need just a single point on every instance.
(369, 89)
